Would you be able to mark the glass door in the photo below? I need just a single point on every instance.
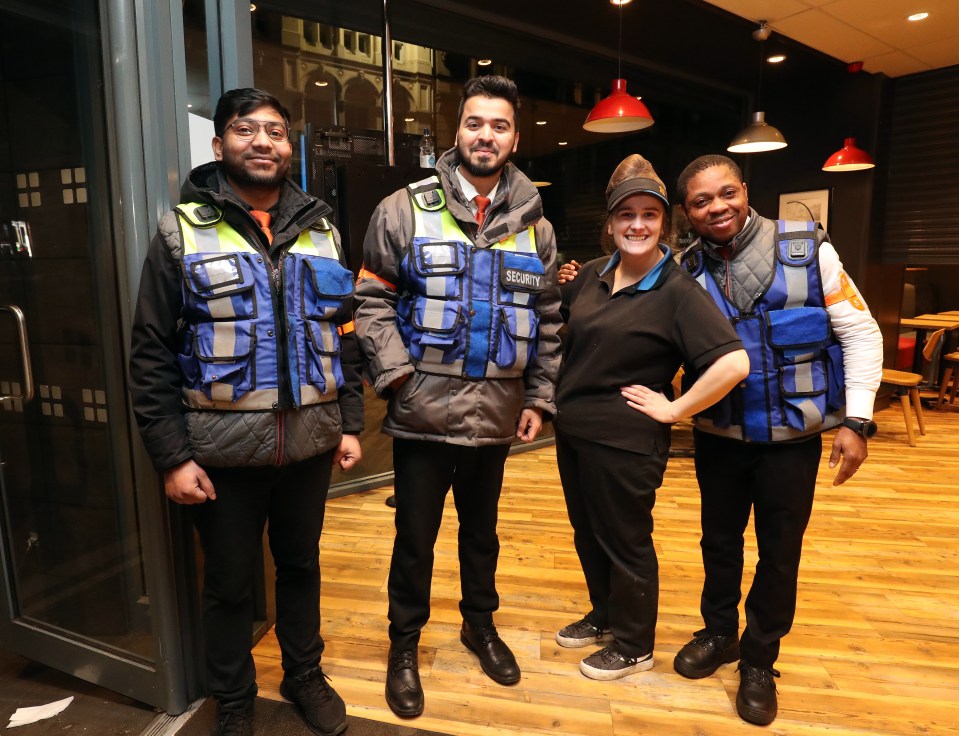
(75, 566)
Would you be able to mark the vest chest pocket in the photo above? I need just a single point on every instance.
(218, 345)
(219, 288)
(516, 331)
(323, 286)
(437, 326)
(521, 278)
(798, 337)
(318, 290)
(438, 268)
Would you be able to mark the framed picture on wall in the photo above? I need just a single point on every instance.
(811, 205)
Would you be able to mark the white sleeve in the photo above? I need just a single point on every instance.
(857, 332)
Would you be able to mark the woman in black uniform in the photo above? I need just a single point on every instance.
(634, 318)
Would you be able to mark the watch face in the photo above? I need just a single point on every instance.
(865, 427)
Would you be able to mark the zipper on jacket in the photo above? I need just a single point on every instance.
(280, 437)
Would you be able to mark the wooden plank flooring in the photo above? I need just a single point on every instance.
(874, 650)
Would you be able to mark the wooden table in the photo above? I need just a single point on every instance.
(927, 323)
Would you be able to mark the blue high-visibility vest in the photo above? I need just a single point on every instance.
(229, 339)
(464, 310)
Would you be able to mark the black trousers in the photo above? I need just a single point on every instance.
(778, 482)
(610, 495)
(292, 499)
(424, 473)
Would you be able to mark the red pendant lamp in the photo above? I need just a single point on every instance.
(620, 112)
(849, 158)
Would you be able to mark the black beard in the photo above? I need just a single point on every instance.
(480, 170)
(236, 172)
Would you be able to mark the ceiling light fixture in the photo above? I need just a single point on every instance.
(917, 16)
(320, 83)
(759, 136)
(849, 158)
(563, 143)
(619, 112)
(620, 2)
(776, 59)
(484, 62)
(541, 122)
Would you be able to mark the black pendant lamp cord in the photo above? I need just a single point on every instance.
(619, 53)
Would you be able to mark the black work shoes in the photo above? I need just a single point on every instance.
(234, 718)
(756, 699)
(705, 654)
(495, 657)
(404, 693)
(323, 710)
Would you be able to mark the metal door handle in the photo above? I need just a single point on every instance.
(24, 354)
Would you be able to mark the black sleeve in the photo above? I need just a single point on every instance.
(155, 380)
(350, 395)
(702, 331)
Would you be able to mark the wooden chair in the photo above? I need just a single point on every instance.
(949, 376)
(907, 386)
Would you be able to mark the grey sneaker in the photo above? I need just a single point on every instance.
(609, 664)
(582, 634)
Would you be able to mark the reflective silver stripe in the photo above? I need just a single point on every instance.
(432, 223)
(811, 416)
(310, 395)
(522, 297)
(436, 366)
(435, 286)
(221, 391)
(221, 308)
(797, 286)
(254, 400)
(224, 339)
(208, 239)
(433, 315)
(494, 371)
(803, 377)
(779, 434)
(322, 241)
(525, 241)
(524, 324)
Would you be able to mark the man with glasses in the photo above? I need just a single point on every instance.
(245, 383)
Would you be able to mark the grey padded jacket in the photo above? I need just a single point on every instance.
(451, 408)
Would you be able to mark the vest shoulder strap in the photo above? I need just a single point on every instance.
(692, 259)
(200, 215)
(798, 242)
(322, 225)
(428, 194)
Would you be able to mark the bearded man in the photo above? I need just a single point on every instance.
(458, 314)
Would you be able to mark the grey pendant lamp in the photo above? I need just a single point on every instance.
(758, 136)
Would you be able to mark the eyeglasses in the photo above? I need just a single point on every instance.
(246, 129)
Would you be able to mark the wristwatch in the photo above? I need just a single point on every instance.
(863, 427)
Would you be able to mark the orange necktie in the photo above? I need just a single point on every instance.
(481, 204)
(263, 220)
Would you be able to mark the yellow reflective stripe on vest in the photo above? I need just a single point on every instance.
(441, 225)
(222, 238)
(316, 243)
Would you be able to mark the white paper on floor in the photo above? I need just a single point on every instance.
(23, 716)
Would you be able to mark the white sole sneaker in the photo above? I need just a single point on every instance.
(616, 670)
(573, 643)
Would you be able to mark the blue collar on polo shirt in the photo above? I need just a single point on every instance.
(649, 280)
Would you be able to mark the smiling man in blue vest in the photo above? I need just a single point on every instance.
(245, 379)
(458, 315)
(815, 356)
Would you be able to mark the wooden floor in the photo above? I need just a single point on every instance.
(874, 650)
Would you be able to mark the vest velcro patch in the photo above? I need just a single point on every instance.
(516, 279)
(797, 250)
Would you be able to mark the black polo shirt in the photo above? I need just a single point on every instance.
(642, 334)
